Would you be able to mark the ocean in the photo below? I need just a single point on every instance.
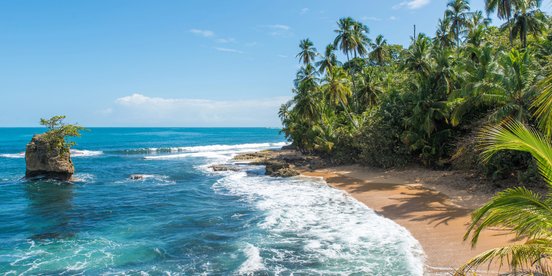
(182, 218)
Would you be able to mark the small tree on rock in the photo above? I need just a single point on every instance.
(58, 131)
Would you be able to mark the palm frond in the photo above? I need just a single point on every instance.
(532, 255)
(513, 135)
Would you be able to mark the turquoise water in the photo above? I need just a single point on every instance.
(183, 218)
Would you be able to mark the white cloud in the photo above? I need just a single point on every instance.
(411, 4)
(203, 33)
(371, 18)
(278, 29)
(303, 11)
(225, 40)
(139, 109)
(228, 50)
(393, 18)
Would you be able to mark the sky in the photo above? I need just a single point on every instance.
(193, 63)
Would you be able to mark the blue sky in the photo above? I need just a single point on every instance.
(173, 63)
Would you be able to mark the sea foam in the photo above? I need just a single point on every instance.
(319, 229)
(220, 152)
(74, 153)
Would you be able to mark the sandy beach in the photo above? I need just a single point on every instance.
(434, 206)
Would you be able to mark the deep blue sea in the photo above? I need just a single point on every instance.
(182, 218)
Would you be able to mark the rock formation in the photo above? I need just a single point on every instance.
(279, 168)
(45, 160)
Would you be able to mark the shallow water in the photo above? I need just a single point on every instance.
(182, 218)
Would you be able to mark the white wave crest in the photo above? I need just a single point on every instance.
(74, 153)
(13, 155)
(253, 263)
(85, 153)
(323, 225)
(249, 146)
(218, 152)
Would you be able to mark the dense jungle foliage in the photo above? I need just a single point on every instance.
(386, 105)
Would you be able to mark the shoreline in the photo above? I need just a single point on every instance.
(434, 206)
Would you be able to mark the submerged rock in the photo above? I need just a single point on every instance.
(225, 167)
(43, 159)
(137, 176)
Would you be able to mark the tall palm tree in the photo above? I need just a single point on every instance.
(503, 8)
(527, 19)
(360, 35)
(379, 50)
(444, 35)
(476, 19)
(328, 61)
(457, 12)
(345, 39)
(307, 53)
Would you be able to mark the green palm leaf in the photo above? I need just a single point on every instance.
(513, 135)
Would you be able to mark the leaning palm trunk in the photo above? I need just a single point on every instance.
(526, 213)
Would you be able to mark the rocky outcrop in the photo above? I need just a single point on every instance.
(286, 162)
(255, 156)
(47, 161)
(280, 169)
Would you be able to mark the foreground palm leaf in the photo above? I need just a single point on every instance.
(526, 213)
(514, 135)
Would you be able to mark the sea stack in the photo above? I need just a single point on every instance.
(46, 160)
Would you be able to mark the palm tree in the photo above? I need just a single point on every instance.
(443, 70)
(526, 213)
(443, 35)
(516, 87)
(527, 19)
(379, 50)
(369, 88)
(284, 111)
(328, 61)
(417, 56)
(481, 76)
(307, 53)
(476, 19)
(306, 78)
(503, 8)
(337, 87)
(345, 39)
(360, 35)
(457, 11)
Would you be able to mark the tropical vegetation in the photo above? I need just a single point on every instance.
(471, 88)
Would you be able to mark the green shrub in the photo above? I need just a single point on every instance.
(379, 141)
(58, 131)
